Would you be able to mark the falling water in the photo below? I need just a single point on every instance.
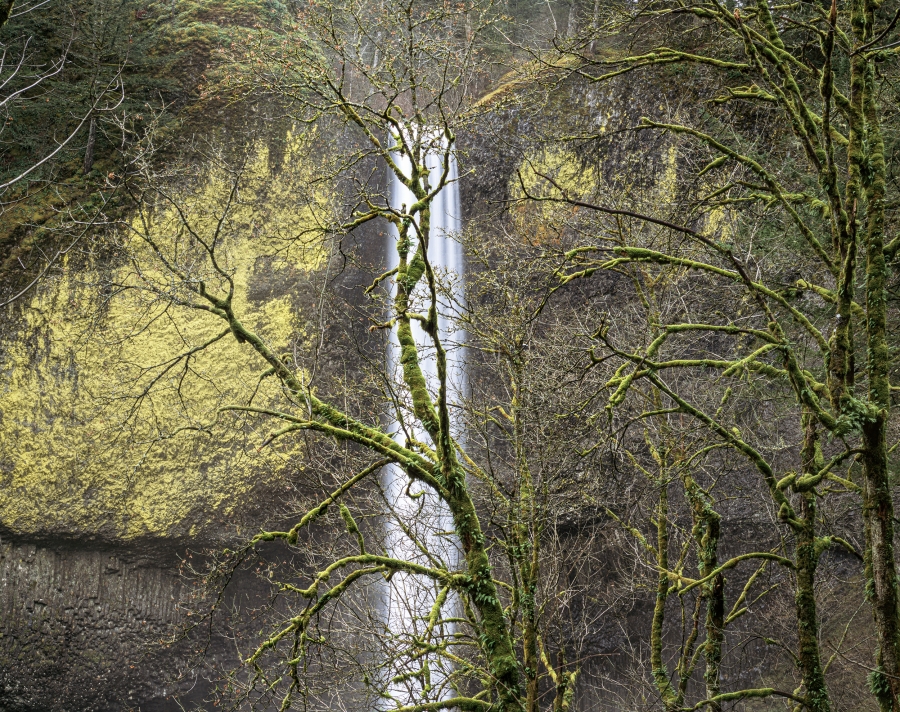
(420, 522)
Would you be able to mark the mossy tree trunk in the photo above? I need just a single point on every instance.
(808, 551)
(658, 668)
(706, 532)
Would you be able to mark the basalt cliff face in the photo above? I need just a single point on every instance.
(102, 513)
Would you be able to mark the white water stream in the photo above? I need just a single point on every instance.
(420, 529)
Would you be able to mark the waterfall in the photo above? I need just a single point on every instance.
(416, 508)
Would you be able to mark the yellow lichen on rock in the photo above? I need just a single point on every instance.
(86, 450)
(549, 172)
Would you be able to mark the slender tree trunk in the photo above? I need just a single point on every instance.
(528, 540)
(881, 572)
(657, 664)
(715, 636)
(807, 617)
(807, 559)
(565, 685)
(706, 532)
(89, 149)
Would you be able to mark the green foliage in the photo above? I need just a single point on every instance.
(878, 685)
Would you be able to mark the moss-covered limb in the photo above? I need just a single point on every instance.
(320, 509)
(352, 527)
(788, 93)
(840, 362)
(750, 93)
(335, 422)
(460, 703)
(427, 648)
(640, 254)
(296, 656)
(730, 564)
(724, 328)
(804, 385)
(687, 661)
(379, 279)
(361, 218)
(660, 449)
(409, 273)
(880, 565)
(728, 368)
(756, 693)
(738, 609)
(834, 134)
(715, 638)
(826, 541)
(387, 563)
(628, 68)
(830, 296)
(828, 177)
(622, 381)
(445, 446)
(422, 448)
(764, 175)
(371, 438)
(563, 680)
(648, 548)
(803, 118)
(848, 485)
(300, 622)
(768, 40)
(806, 482)
(666, 54)
(761, 464)
(434, 616)
(407, 278)
(809, 655)
(495, 640)
(891, 249)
